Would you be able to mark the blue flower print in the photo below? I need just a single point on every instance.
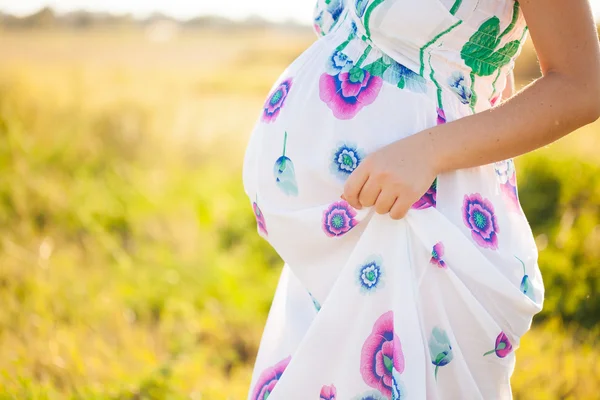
(285, 175)
(440, 348)
(371, 395)
(334, 8)
(505, 170)
(345, 159)
(526, 288)
(457, 83)
(327, 15)
(370, 274)
(338, 62)
(315, 302)
(403, 77)
(353, 29)
(398, 389)
(361, 6)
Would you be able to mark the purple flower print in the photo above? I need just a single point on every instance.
(478, 216)
(428, 199)
(268, 379)
(328, 393)
(348, 92)
(441, 116)
(503, 346)
(338, 219)
(381, 354)
(436, 255)
(275, 101)
(260, 219)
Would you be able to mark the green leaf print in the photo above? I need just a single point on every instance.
(377, 68)
(455, 7)
(367, 16)
(481, 52)
(388, 362)
(357, 74)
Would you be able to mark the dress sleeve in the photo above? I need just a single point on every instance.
(326, 15)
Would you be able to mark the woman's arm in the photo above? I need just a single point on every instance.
(565, 98)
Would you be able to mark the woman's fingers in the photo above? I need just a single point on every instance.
(354, 185)
(369, 193)
(384, 202)
(399, 209)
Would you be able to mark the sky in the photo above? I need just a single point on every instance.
(277, 10)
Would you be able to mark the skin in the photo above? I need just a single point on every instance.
(565, 98)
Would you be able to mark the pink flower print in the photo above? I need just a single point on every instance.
(268, 379)
(512, 198)
(260, 219)
(348, 92)
(276, 100)
(381, 355)
(328, 393)
(428, 199)
(317, 29)
(507, 178)
(479, 217)
(338, 219)
(436, 255)
(441, 116)
(503, 346)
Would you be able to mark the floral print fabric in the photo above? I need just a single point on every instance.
(431, 306)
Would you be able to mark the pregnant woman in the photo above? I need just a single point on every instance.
(381, 172)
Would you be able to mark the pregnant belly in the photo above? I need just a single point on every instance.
(315, 129)
(301, 152)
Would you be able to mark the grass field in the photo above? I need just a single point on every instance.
(130, 267)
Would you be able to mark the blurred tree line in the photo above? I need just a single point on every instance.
(47, 18)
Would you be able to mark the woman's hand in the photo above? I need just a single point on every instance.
(392, 178)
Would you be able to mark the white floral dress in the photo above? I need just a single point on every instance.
(431, 306)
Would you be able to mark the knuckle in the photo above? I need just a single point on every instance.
(383, 176)
(366, 163)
